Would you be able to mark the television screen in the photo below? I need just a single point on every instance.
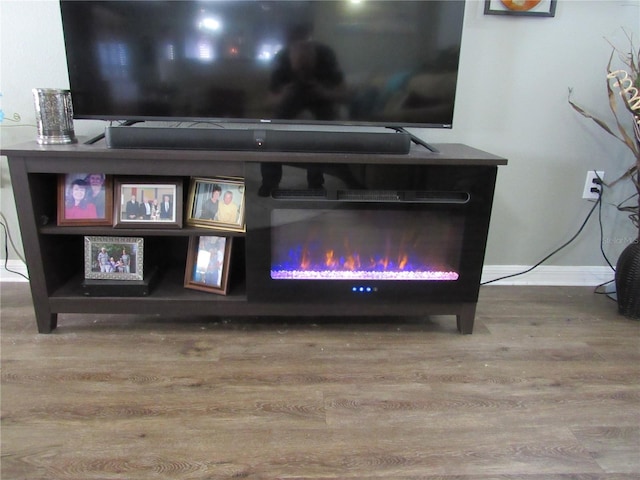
(377, 62)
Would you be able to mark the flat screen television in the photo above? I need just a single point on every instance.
(368, 62)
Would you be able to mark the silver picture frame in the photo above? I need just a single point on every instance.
(125, 257)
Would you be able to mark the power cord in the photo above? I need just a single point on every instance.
(596, 290)
(598, 203)
(7, 240)
(604, 255)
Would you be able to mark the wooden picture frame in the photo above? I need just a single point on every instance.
(140, 203)
(208, 263)
(217, 203)
(113, 258)
(531, 8)
(85, 199)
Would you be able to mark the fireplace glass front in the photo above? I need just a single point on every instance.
(365, 244)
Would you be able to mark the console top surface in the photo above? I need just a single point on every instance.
(446, 154)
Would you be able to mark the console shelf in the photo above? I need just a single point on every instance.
(132, 232)
(54, 254)
(168, 296)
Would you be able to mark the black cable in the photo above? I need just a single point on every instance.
(6, 252)
(598, 202)
(604, 255)
(620, 208)
(95, 139)
(99, 137)
(597, 291)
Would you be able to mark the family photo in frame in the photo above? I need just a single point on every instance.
(208, 261)
(113, 258)
(148, 204)
(85, 199)
(217, 203)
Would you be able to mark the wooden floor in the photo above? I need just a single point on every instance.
(545, 389)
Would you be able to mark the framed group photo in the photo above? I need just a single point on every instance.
(113, 258)
(85, 199)
(208, 260)
(217, 203)
(148, 204)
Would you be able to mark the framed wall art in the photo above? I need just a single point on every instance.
(148, 204)
(217, 203)
(113, 258)
(208, 260)
(85, 199)
(533, 8)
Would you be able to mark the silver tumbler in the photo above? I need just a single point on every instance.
(54, 116)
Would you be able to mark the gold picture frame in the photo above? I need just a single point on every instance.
(217, 203)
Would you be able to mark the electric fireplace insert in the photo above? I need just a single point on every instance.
(367, 235)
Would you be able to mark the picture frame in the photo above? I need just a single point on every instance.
(148, 203)
(217, 203)
(531, 8)
(85, 199)
(208, 262)
(115, 265)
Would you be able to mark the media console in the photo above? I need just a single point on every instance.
(426, 208)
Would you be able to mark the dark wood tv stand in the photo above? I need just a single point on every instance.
(54, 254)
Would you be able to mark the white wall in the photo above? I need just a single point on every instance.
(514, 80)
(512, 101)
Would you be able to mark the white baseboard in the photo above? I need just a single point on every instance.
(548, 275)
(543, 275)
(14, 266)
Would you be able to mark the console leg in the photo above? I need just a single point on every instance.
(466, 318)
(47, 323)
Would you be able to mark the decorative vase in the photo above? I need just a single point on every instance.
(628, 281)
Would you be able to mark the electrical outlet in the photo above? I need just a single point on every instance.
(592, 185)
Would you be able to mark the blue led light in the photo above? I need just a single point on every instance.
(363, 289)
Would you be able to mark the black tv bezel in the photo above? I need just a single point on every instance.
(231, 122)
(262, 123)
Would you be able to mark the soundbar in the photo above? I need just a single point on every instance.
(174, 138)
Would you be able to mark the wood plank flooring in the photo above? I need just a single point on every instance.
(546, 388)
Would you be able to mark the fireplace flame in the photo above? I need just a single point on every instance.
(305, 261)
(347, 265)
(352, 262)
(330, 260)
